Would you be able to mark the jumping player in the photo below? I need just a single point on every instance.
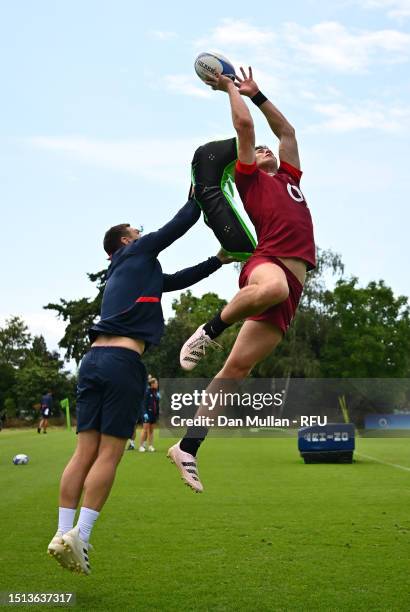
(112, 378)
(271, 282)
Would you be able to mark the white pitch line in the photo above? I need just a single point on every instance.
(396, 465)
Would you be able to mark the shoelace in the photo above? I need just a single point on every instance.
(202, 342)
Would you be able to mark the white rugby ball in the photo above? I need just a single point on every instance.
(213, 64)
(20, 459)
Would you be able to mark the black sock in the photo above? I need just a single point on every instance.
(192, 440)
(215, 326)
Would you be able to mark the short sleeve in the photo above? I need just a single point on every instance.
(286, 168)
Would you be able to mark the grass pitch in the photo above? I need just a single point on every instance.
(269, 532)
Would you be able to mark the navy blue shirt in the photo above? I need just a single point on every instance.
(131, 304)
(151, 402)
(46, 404)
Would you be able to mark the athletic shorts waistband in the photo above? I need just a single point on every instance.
(119, 350)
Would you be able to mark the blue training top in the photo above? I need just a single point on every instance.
(46, 404)
(131, 303)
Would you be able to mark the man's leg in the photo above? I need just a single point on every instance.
(267, 286)
(255, 341)
(97, 487)
(100, 478)
(71, 487)
(144, 435)
(75, 473)
(45, 425)
(151, 437)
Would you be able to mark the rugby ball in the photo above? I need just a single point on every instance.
(20, 459)
(213, 64)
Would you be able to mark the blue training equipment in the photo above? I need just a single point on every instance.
(213, 168)
(331, 443)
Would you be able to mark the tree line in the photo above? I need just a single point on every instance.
(28, 370)
(348, 331)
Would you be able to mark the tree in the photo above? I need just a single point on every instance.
(368, 334)
(80, 315)
(28, 369)
(7, 381)
(39, 374)
(14, 341)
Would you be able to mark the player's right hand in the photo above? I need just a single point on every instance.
(219, 82)
(246, 85)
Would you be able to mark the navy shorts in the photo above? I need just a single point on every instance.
(149, 417)
(111, 387)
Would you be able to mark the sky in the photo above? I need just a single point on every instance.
(101, 111)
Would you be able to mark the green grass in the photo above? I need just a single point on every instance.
(269, 532)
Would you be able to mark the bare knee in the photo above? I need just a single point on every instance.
(111, 455)
(274, 292)
(85, 457)
(235, 370)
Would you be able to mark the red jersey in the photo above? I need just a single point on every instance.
(278, 210)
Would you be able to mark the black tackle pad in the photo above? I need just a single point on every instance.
(213, 167)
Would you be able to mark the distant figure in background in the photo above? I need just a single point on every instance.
(46, 406)
(150, 416)
(140, 421)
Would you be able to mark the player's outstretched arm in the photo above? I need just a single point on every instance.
(241, 117)
(189, 276)
(185, 218)
(280, 126)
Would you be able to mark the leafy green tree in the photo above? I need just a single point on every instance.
(9, 406)
(79, 316)
(7, 381)
(37, 376)
(368, 334)
(15, 340)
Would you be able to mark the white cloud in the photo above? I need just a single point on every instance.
(366, 115)
(184, 84)
(331, 45)
(396, 9)
(130, 156)
(236, 32)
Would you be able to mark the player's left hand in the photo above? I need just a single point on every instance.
(225, 258)
(220, 82)
(246, 84)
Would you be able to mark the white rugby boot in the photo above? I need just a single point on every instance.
(77, 550)
(56, 550)
(187, 466)
(195, 348)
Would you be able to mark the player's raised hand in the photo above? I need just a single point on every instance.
(219, 82)
(245, 84)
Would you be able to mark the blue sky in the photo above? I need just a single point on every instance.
(101, 112)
